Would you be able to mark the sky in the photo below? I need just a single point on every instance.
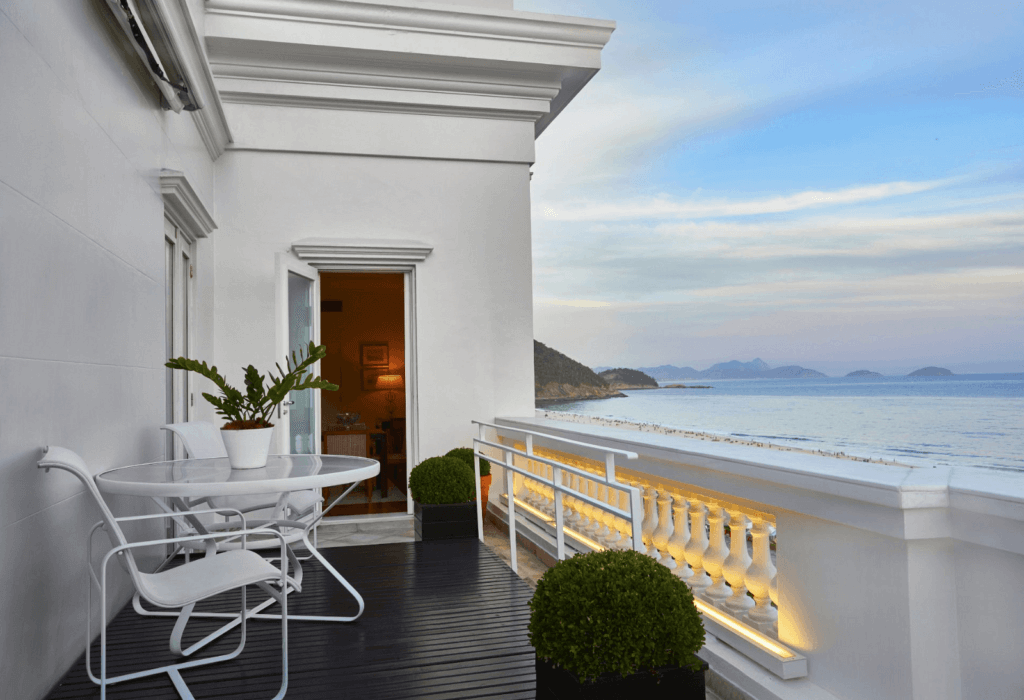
(835, 185)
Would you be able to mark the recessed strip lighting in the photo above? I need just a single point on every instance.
(551, 521)
(748, 633)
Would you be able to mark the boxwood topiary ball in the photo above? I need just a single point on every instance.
(614, 612)
(442, 480)
(466, 455)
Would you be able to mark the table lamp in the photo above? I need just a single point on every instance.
(390, 382)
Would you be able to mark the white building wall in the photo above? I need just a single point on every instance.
(82, 143)
(473, 293)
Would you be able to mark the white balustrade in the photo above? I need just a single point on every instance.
(694, 551)
(735, 566)
(760, 579)
(664, 530)
(715, 556)
(650, 523)
(680, 536)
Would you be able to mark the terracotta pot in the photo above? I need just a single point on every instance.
(247, 449)
(485, 488)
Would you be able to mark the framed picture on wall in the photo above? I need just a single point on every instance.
(374, 354)
(370, 378)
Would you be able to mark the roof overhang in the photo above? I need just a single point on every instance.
(402, 57)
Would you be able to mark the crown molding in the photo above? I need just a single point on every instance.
(175, 36)
(184, 207)
(360, 252)
(400, 57)
(440, 18)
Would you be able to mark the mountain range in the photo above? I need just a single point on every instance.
(734, 369)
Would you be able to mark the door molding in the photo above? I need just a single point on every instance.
(380, 255)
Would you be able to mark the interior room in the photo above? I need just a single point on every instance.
(362, 323)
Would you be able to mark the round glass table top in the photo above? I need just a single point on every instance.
(215, 477)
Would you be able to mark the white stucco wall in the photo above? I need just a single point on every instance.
(82, 143)
(473, 293)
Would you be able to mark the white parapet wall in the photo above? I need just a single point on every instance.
(888, 577)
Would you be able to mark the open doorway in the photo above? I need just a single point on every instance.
(362, 323)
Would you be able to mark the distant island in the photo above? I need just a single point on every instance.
(931, 372)
(622, 378)
(864, 373)
(558, 378)
(755, 369)
(683, 386)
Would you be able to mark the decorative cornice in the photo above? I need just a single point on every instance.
(175, 35)
(183, 206)
(446, 19)
(402, 57)
(360, 252)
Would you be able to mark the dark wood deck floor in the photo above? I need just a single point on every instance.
(442, 620)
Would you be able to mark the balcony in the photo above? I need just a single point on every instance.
(853, 579)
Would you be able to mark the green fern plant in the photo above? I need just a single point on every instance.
(262, 393)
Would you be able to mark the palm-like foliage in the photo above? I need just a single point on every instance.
(253, 408)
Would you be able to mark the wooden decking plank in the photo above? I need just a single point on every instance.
(443, 621)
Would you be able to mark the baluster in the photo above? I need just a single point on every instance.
(593, 513)
(760, 579)
(601, 535)
(680, 536)
(736, 564)
(547, 501)
(715, 556)
(614, 539)
(566, 499)
(650, 522)
(519, 481)
(582, 519)
(576, 520)
(625, 524)
(694, 551)
(664, 530)
(535, 498)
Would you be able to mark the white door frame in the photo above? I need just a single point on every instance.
(285, 263)
(381, 255)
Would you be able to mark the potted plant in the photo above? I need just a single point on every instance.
(466, 455)
(442, 488)
(615, 624)
(248, 429)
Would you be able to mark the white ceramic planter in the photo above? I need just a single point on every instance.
(247, 449)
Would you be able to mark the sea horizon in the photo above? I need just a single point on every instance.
(957, 420)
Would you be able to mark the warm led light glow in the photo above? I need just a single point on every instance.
(751, 635)
(551, 521)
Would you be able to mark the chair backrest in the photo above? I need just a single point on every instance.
(201, 438)
(396, 436)
(63, 458)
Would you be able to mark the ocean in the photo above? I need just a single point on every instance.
(974, 420)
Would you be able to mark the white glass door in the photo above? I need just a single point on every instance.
(298, 429)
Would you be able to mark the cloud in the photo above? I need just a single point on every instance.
(667, 207)
(579, 303)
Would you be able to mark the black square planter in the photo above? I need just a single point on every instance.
(665, 683)
(445, 522)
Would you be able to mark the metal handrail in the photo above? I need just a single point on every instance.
(635, 514)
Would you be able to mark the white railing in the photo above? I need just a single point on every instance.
(679, 524)
(589, 505)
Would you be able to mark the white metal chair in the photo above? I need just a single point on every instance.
(293, 511)
(181, 587)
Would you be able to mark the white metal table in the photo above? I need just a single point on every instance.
(190, 479)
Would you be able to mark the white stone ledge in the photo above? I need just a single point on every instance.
(902, 502)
